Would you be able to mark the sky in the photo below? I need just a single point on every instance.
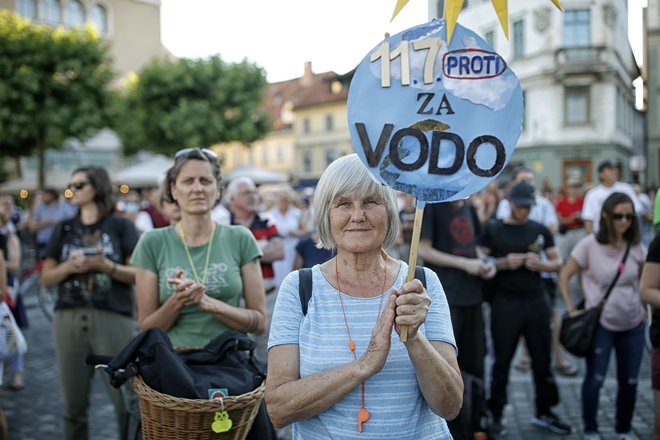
(280, 36)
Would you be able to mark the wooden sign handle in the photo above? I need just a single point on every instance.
(412, 259)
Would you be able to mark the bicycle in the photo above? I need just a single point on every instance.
(29, 283)
(128, 396)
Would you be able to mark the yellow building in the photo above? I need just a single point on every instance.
(309, 128)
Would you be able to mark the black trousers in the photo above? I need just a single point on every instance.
(512, 317)
(468, 326)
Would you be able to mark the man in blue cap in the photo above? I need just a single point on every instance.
(519, 307)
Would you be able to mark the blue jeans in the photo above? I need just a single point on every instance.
(629, 347)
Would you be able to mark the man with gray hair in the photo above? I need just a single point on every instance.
(243, 200)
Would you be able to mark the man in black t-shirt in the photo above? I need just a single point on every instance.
(650, 293)
(448, 245)
(519, 306)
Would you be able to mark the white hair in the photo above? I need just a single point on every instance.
(232, 188)
(349, 175)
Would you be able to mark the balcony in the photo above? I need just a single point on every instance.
(584, 60)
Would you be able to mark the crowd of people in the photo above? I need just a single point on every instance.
(197, 256)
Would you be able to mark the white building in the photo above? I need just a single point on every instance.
(576, 70)
(652, 20)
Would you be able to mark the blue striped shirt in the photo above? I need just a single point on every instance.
(393, 398)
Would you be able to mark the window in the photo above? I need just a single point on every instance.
(307, 161)
(577, 105)
(279, 151)
(75, 14)
(306, 126)
(490, 38)
(52, 11)
(576, 169)
(264, 153)
(577, 30)
(330, 156)
(518, 39)
(99, 16)
(27, 8)
(329, 125)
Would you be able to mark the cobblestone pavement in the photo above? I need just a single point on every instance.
(34, 413)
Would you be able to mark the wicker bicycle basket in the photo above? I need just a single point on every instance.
(174, 418)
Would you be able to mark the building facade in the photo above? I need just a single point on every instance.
(309, 128)
(576, 70)
(132, 27)
(652, 70)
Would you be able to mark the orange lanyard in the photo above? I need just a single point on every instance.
(363, 414)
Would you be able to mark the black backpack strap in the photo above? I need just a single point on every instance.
(305, 287)
(420, 275)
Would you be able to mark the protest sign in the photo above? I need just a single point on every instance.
(436, 121)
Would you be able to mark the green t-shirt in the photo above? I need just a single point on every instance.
(161, 251)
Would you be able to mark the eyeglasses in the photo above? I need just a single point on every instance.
(618, 216)
(186, 152)
(77, 185)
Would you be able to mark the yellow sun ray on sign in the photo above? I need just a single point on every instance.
(453, 8)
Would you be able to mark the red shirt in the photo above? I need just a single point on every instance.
(565, 209)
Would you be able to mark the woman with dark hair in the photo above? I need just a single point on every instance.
(597, 258)
(191, 276)
(87, 259)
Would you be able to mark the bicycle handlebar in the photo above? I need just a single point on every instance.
(97, 359)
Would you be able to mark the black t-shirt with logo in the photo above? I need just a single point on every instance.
(115, 237)
(454, 230)
(653, 256)
(503, 239)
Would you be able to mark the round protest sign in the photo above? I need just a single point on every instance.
(436, 122)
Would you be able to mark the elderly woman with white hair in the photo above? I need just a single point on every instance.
(339, 370)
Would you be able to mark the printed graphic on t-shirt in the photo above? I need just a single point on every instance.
(78, 288)
(538, 245)
(461, 231)
(215, 276)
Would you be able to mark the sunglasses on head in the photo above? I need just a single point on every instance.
(618, 216)
(77, 185)
(186, 152)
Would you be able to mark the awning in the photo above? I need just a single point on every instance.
(148, 173)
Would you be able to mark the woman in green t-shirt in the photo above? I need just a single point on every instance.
(192, 275)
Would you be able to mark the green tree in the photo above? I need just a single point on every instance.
(184, 102)
(54, 85)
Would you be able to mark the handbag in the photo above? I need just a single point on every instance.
(226, 362)
(577, 332)
(12, 340)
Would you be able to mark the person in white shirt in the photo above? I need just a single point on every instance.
(542, 212)
(286, 218)
(608, 175)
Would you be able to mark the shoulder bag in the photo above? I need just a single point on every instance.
(577, 332)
